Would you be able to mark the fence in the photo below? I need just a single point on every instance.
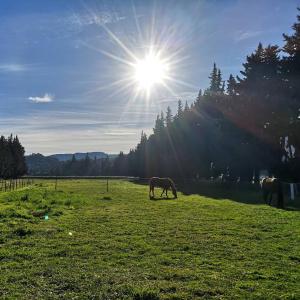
(291, 190)
(7, 185)
(106, 178)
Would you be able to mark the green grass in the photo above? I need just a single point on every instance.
(121, 245)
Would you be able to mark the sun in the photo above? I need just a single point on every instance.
(150, 71)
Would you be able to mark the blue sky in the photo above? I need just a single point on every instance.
(62, 88)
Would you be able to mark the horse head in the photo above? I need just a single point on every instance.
(173, 188)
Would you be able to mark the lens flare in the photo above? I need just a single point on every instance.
(150, 71)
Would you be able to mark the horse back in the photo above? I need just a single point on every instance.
(160, 182)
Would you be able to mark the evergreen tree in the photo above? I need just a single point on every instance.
(186, 107)
(252, 70)
(198, 100)
(179, 109)
(169, 117)
(292, 42)
(12, 158)
(219, 83)
(231, 86)
(214, 80)
(162, 120)
(223, 87)
(157, 126)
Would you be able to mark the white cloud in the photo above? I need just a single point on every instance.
(44, 99)
(121, 133)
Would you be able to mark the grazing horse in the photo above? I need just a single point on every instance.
(269, 186)
(164, 183)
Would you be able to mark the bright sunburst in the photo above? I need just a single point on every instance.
(148, 67)
(150, 71)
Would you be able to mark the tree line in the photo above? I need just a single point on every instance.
(235, 127)
(41, 165)
(12, 160)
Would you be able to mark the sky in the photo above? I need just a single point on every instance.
(66, 67)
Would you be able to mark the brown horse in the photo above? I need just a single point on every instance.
(269, 186)
(164, 183)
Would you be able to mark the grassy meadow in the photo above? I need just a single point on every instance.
(80, 242)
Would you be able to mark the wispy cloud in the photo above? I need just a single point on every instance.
(44, 99)
(13, 68)
(120, 133)
(95, 18)
(244, 35)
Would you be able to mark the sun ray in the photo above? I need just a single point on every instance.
(110, 55)
(169, 89)
(118, 41)
(128, 104)
(113, 84)
(137, 22)
(154, 63)
(119, 91)
(181, 82)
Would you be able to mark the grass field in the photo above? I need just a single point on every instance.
(121, 245)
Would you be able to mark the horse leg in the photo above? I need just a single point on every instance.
(162, 192)
(167, 193)
(280, 199)
(151, 192)
(270, 199)
(265, 195)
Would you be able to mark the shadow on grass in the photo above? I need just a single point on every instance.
(239, 192)
(161, 198)
(106, 198)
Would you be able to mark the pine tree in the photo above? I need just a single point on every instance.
(179, 109)
(213, 87)
(198, 100)
(12, 159)
(162, 120)
(216, 85)
(219, 82)
(231, 86)
(292, 42)
(186, 107)
(223, 87)
(159, 124)
(272, 64)
(169, 117)
(252, 68)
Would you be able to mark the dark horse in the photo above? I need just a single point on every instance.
(164, 183)
(269, 186)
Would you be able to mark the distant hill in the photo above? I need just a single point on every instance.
(39, 164)
(79, 155)
(57, 164)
